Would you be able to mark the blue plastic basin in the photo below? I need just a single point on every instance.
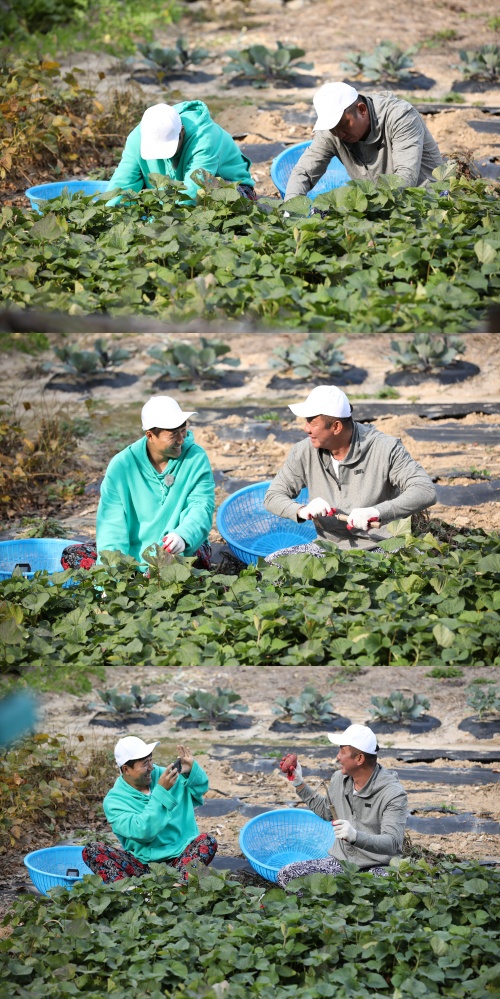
(335, 174)
(48, 868)
(252, 532)
(285, 836)
(45, 192)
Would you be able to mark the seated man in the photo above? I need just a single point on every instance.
(369, 803)
(160, 487)
(151, 811)
(175, 140)
(371, 136)
(349, 469)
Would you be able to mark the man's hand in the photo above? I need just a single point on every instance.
(168, 777)
(186, 758)
(174, 543)
(297, 778)
(361, 517)
(344, 830)
(316, 508)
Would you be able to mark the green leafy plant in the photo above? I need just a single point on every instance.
(397, 707)
(386, 62)
(206, 709)
(260, 64)
(484, 702)
(453, 98)
(471, 473)
(171, 59)
(123, 704)
(308, 708)
(315, 357)
(424, 352)
(428, 914)
(481, 64)
(445, 672)
(41, 527)
(494, 23)
(188, 364)
(438, 38)
(91, 362)
(385, 259)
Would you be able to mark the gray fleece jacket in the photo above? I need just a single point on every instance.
(378, 471)
(399, 142)
(377, 812)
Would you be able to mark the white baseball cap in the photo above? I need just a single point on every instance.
(325, 400)
(160, 129)
(132, 748)
(330, 102)
(358, 736)
(163, 412)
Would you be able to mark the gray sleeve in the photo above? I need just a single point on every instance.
(311, 166)
(406, 133)
(389, 840)
(285, 487)
(416, 491)
(315, 802)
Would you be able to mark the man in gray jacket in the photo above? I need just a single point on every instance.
(350, 469)
(371, 136)
(369, 803)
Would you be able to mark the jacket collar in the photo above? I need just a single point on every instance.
(369, 787)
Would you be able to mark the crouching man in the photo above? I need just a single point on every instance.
(151, 811)
(370, 806)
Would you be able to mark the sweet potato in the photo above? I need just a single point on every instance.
(288, 764)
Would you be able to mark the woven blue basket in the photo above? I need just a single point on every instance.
(38, 553)
(45, 192)
(49, 867)
(285, 836)
(335, 175)
(252, 532)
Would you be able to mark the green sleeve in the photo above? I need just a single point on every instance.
(128, 175)
(196, 520)
(197, 782)
(148, 824)
(112, 531)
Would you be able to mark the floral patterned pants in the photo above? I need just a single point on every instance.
(326, 865)
(85, 556)
(114, 865)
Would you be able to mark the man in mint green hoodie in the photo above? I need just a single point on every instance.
(151, 811)
(159, 489)
(175, 141)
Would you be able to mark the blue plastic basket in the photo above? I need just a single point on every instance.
(335, 175)
(38, 553)
(49, 867)
(44, 192)
(285, 836)
(252, 532)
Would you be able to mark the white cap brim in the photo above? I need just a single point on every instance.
(159, 150)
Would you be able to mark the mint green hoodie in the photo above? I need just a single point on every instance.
(139, 506)
(158, 825)
(206, 146)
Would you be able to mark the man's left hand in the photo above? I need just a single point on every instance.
(361, 517)
(344, 830)
(174, 543)
(187, 759)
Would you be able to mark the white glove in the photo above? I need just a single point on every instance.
(174, 543)
(298, 779)
(344, 830)
(360, 518)
(316, 508)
